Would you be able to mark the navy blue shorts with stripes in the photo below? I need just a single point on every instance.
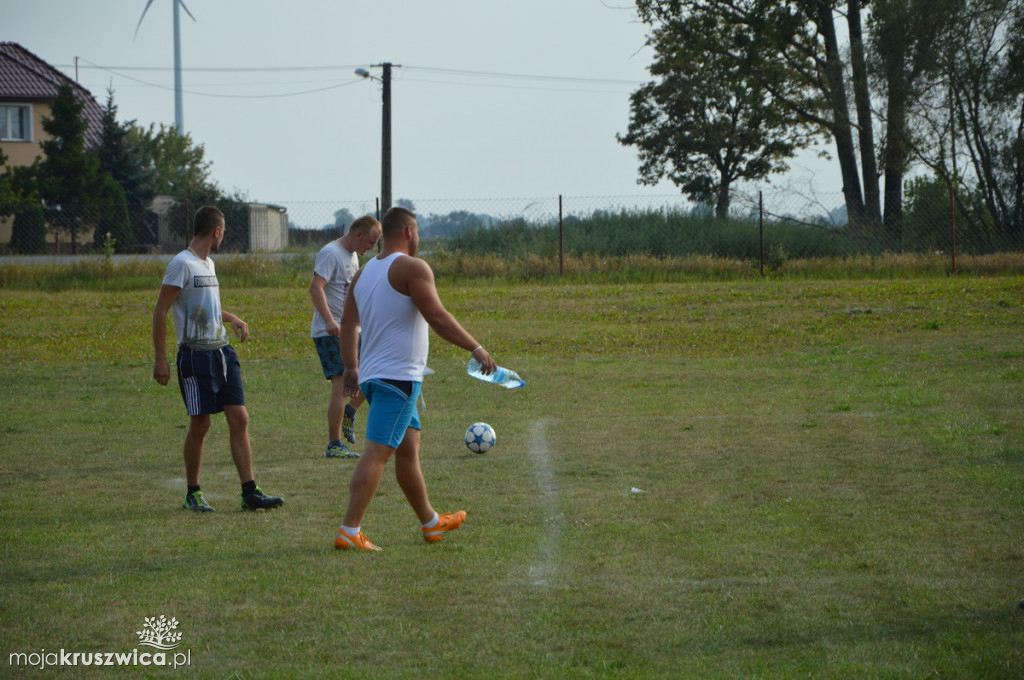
(209, 379)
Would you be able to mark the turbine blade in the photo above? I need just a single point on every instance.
(180, 2)
(150, 2)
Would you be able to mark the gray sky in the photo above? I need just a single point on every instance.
(492, 100)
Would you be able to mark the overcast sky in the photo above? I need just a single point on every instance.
(491, 99)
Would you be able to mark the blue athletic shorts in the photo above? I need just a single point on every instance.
(392, 410)
(328, 348)
(209, 379)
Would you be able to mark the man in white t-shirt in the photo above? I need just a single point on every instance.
(336, 264)
(209, 375)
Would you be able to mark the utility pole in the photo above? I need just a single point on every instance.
(385, 136)
(385, 133)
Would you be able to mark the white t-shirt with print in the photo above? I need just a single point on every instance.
(197, 314)
(337, 265)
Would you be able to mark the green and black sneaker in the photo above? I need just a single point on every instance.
(348, 428)
(339, 450)
(257, 500)
(195, 501)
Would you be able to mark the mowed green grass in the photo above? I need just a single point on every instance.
(832, 477)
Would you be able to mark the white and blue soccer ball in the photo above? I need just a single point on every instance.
(480, 437)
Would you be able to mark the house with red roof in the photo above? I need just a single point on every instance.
(28, 86)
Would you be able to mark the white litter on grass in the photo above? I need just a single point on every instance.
(635, 490)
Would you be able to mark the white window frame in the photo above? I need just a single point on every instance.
(7, 110)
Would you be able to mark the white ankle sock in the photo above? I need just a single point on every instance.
(350, 530)
(432, 523)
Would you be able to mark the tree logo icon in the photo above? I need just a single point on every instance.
(159, 633)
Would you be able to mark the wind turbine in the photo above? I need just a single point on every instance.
(178, 117)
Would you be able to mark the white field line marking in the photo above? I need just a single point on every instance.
(544, 568)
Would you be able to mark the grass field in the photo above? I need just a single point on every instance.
(832, 477)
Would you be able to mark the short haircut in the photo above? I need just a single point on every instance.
(364, 223)
(395, 220)
(207, 219)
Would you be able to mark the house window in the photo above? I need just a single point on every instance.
(16, 123)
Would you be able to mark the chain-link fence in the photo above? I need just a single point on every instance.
(778, 224)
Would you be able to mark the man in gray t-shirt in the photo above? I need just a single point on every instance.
(336, 264)
(209, 375)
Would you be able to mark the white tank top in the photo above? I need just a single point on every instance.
(394, 340)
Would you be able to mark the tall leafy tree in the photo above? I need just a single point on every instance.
(986, 76)
(970, 122)
(110, 211)
(180, 170)
(126, 163)
(8, 194)
(904, 42)
(178, 164)
(28, 232)
(68, 172)
(791, 49)
(705, 123)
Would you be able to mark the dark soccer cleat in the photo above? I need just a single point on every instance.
(348, 428)
(340, 451)
(257, 500)
(195, 501)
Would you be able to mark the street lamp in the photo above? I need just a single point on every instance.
(385, 133)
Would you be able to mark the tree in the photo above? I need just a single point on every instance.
(790, 48)
(178, 164)
(7, 196)
(342, 218)
(985, 61)
(181, 170)
(705, 123)
(904, 45)
(28, 233)
(113, 226)
(68, 172)
(127, 164)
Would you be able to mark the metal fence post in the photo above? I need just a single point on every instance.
(952, 225)
(561, 228)
(760, 226)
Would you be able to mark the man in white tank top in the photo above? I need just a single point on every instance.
(394, 299)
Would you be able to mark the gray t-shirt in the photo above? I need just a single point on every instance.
(337, 266)
(197, 314)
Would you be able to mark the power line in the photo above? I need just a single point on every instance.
(350, 67)
(219, 94)
(524, 76)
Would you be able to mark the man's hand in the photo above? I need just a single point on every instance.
(350, 382)
(487, 363)
(241, 328)
(161, 371)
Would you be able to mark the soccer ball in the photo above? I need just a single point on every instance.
(480, 437)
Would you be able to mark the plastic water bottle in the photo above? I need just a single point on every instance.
(501, 376)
